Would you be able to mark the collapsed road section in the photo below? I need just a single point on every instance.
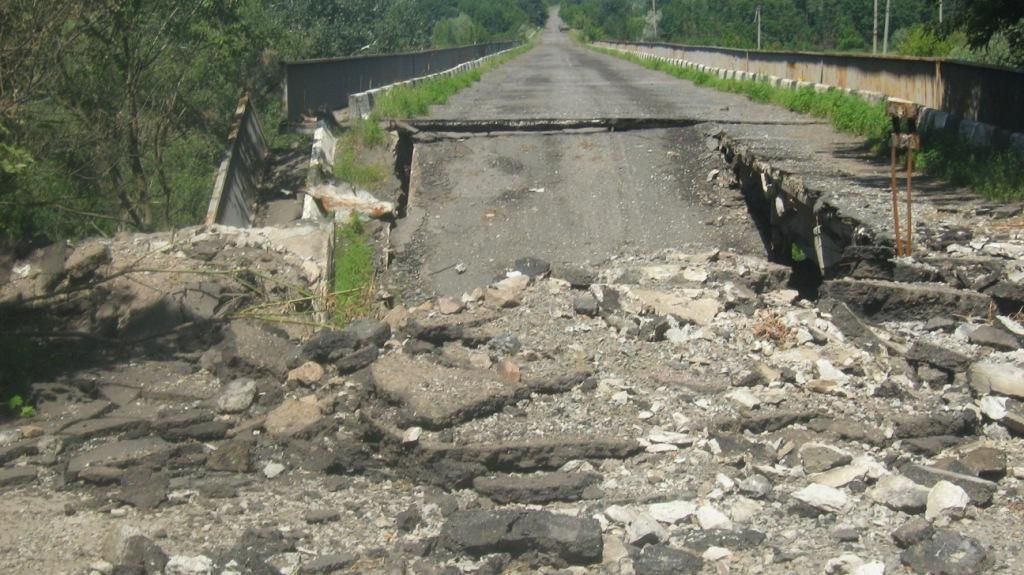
(639, 390)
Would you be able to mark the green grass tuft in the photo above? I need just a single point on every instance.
(353, 272)
(348, 167)
(994, 174)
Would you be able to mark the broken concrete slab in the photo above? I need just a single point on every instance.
(979, 490)
(665, 560)
(120, 453)
(15, 476)
(936, 356)
(947, 552)
(699, 311)
(436, 397)
(292, 417)
(575, 540)
(997, 377)
(541, 488)
(881, 300)
(103, 427)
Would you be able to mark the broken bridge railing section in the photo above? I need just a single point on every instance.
(975, 101)
(313, 87)
(235, 187)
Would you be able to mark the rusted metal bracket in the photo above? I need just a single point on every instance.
(903, 112)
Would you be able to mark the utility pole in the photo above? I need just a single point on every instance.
(874, 32)
(757, 16)
(654, 16)
(885, 35)
(940, 11)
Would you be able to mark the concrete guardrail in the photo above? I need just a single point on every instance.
(983, 105)
(314, 87)
(235, 187)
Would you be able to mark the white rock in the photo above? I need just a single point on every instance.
(710, 518)
(828, 371)
(660, 436)
(661, 448)
(614, 550)
(725, 482)
(993, 377)
(645, 529)
(185, 565)
(273, 469)
(873, 568)
(620, 514)
(822, 497)
(237, 396)
(946, 500)
(412, 435)
(840, 476)
(845, 564)
(781, 298)
(899, 493)
(697, 275)
(101, 566)
(744, 510)
(716, 554)
(994, 407)
(744, 397)
(672, 511)
(9, 436)
(1011, 325)
(756, 485)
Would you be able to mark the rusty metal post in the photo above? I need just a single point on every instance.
(910, 193)
(895, 197)
(900, 111)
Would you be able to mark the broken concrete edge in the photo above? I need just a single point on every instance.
(362, 103)
(319, 202)
(453, 466)
(932, 121)
(233, 190)
(796, 213)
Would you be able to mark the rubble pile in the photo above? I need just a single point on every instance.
(672, 413)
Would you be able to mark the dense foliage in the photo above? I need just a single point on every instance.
(985, 30)
(114, 113)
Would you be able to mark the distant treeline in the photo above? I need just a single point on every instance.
(114, 113)
(991, 31)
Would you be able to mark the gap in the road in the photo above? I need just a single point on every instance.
(785, 239)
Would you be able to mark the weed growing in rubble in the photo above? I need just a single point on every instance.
(347, 164)
(768, 325)
(353, 272)
(995, 174)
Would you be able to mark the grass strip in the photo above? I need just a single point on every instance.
(410, 100)
(353, 272)
(997, 174)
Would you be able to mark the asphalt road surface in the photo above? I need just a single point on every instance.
(486, 200)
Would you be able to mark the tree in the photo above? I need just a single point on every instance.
(984, 20)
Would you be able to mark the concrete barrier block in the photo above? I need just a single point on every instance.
(977, 134)
(822, 88)
(787, 84)
(800, 85)
(1017, 141)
